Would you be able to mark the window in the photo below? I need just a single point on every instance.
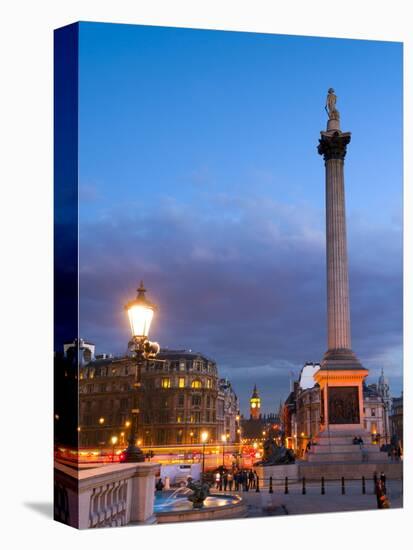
(166, 383)
(196, 400)
(182, 366)
(179, 418)
(181, 382)
(373, 412)
(196, 384)
(209, 383)
(161, 437)
(102, 388)
(179, 435)
(197, 417)
(181, 399)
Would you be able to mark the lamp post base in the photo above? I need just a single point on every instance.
(134, 454)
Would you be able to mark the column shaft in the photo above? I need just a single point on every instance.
(338, 311)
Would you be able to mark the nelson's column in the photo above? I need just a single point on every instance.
(341, 374)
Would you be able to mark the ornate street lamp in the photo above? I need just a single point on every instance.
(140, 312)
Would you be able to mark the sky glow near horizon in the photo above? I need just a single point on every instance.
(198, 173)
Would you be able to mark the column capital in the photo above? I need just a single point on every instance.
(333, 144)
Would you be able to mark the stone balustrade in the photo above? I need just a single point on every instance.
(108, 496)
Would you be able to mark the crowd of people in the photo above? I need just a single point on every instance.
(236, 480)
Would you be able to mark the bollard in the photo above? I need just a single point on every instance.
(343, 488)
(286, 486)
(323, 492)
(270, 490)
(257, 489)
(363, 485)
(304, 491)
(383, 482)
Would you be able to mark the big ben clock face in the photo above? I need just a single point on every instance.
(253, 405)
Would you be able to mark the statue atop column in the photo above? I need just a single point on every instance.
(330, 106)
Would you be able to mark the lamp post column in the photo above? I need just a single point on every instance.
(133, 453)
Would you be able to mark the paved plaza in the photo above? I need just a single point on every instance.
(313, 502)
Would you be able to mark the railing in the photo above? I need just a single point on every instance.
(108, 504)
(108, 496)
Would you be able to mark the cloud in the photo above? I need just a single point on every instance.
(241, 279)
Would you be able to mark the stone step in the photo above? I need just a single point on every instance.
(349, 470)
(343, 447)
(336, 457)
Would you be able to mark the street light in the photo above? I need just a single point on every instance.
(224, 439)
(204, 438)
(113, 440)
(140, 313)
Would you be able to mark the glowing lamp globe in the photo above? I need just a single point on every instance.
(140, 313)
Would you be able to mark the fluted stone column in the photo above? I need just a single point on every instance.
(333, 147)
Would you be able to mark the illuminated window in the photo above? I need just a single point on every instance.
(209, 383)
(181, 382)
(179, 418)
(166, 383)
(196, 384)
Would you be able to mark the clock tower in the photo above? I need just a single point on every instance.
(255, 405)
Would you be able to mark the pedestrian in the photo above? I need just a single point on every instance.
(236, 480)
(230, 478)
(225, 481)
(255, 479)
(250, 479)
(217, 480)
(245, 480)
(361, 443)
(399, 453)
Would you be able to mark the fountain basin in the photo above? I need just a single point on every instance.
(179, 509)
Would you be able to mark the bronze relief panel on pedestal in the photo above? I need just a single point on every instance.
(343, 405)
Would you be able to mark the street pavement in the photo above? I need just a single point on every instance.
(313, 502)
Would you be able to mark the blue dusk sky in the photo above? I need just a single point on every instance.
(199, 173)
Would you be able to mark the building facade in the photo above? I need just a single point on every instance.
(180, 396)
(396, 421)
